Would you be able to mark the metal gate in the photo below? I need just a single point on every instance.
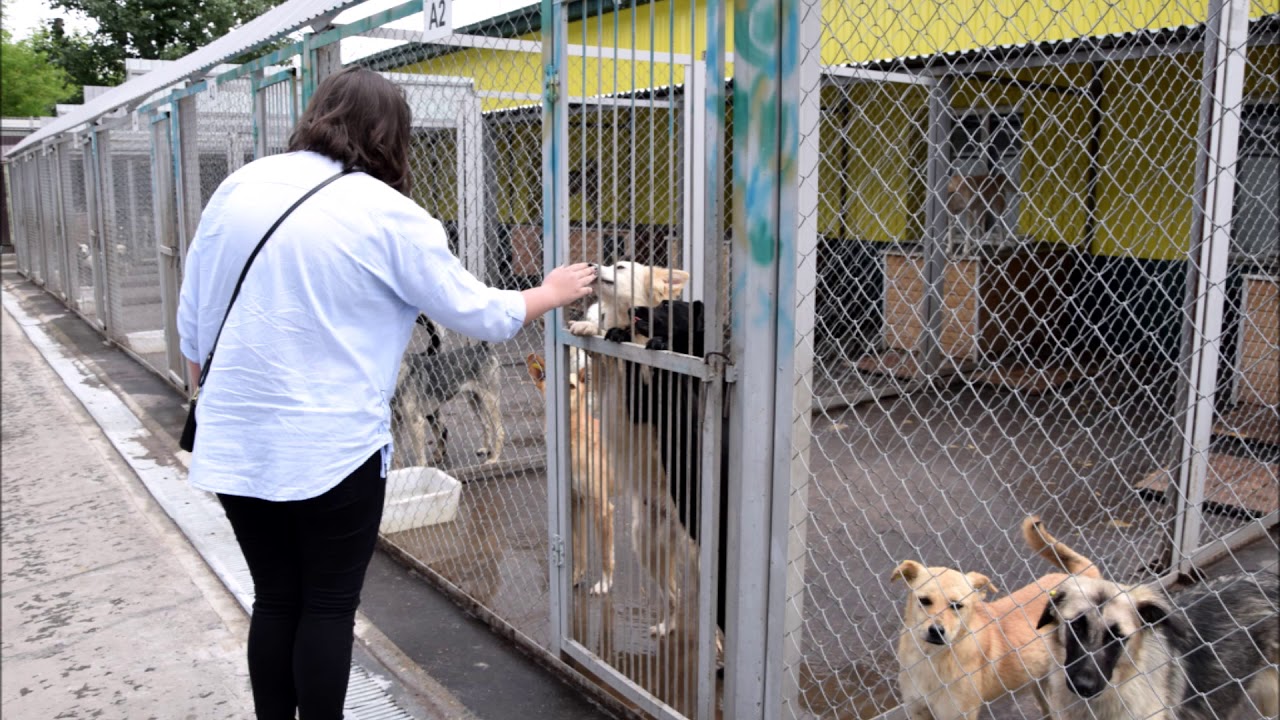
(275, 110)
(447, 146)
(96, 238)
(169, 243)
(635, 427)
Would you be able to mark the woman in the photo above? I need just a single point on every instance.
(294, 424)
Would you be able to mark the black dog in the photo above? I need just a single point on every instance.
(670, 401)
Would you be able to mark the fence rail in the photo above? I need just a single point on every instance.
(958, 269)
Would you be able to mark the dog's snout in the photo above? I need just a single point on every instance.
(936, 635)
(1085, 684)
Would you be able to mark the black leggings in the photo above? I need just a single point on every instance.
(308, 560)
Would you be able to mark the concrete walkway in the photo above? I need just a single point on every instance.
(107, 610)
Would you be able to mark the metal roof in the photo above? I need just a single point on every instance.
(266, 28)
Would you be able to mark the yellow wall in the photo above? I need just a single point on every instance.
(1151, 122)
(885, 29)
(872, 160)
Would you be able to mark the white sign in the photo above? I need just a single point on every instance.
(439, 17)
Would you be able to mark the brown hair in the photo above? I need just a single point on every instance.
(360, 119)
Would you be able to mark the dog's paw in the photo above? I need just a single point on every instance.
(601, 587)
(583, 328)
(662, 629)
(618, 335)
(656, 343)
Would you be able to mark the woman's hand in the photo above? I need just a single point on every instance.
(561, 287)
(570, 282)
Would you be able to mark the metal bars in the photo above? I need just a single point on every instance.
(959, 270)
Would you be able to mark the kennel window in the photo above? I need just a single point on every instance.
(986, 141)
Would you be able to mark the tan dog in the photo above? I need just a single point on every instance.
(592, 476)
(623, 287)
(958, 651)
(665, 549)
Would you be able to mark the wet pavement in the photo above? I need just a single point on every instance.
(107, 610)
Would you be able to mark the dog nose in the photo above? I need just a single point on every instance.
(936, 635)
(1086, 685)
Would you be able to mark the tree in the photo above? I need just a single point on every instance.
(163, 29)
(29, 83)
(85, 60)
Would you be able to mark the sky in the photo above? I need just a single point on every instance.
(21, 17)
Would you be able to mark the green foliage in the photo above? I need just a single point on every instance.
(163, 29)
(29, 84)
(85, 60)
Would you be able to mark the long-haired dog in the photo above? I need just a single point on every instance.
(432, 378)
(958, 651)
(1211, 652)
(663, 545)
(592, 476)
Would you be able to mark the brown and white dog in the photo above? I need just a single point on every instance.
(959, 651)
(592, 476)
(665, 549)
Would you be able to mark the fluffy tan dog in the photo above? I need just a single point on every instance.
(958, 651)
(664, 548)
(592, 476)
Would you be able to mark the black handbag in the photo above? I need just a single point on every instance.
(188, 440)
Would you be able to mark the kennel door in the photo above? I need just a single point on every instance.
(168, 242)
(633, 430)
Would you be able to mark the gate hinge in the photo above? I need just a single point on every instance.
(557, 551)
(719, 363)
(551, 84)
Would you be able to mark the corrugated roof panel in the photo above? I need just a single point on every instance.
(271, 25)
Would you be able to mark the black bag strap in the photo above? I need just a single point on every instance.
(204, 370)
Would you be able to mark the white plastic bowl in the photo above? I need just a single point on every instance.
(418, 497)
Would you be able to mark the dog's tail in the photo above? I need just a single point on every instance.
(1055, 551)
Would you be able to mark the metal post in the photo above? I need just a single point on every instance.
(797, 290)
(929, 344)
(555, 233)
(1224, 65)
(187, 151)
(259, 115)
(704, 263)
(765, 170)
(693, 255)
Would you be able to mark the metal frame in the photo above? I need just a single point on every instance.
(1225, 40)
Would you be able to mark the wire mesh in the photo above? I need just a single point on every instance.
(470, 467)
(77, 228)
(1008, 316)
(224, 127)
(133, 266)
(1002, 322)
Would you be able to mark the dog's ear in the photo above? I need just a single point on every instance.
(1049, 615)
(582, 377)
(907, 571)
(668, 284)
(537, 370)
(1151, 608)
(980, 583)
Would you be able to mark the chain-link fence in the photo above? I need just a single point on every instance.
(1008, 217)
(1035, 273)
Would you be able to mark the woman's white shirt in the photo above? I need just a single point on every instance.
(298, 394)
